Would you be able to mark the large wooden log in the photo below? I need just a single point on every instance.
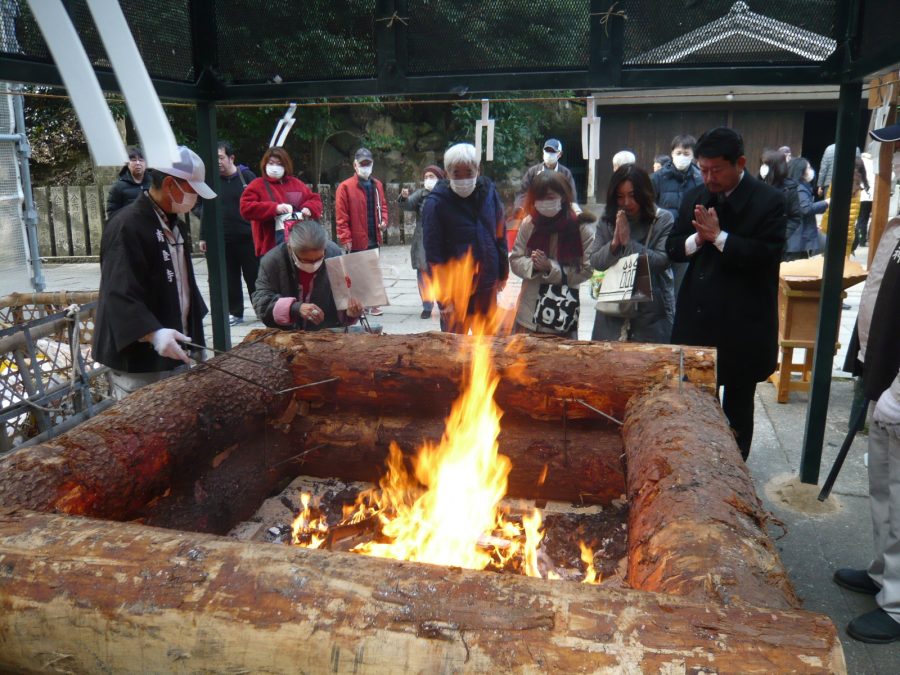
(112, 465)
(86, 596)
(696, 527)
(578, 463)
(393, 374)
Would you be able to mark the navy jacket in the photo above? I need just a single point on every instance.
(671, 185)
(806, 237)
(453, 225)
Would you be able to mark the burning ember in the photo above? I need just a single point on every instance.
(446, 510)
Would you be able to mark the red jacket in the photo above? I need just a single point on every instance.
(259, 208)
(350, 213)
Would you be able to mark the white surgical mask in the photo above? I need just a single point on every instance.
(274, 171)
(764, 171)
(429, 183)
(463, 186)
(809, 175)
(548, 207)
(364, 171)
(309, 267)
(551, 158)
(188, 201)
(681, 162)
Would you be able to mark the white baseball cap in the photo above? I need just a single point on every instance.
(190, 168)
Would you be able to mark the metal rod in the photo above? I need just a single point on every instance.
(308, 384)
(235, 356)
(855, 425)
(240, 377)
(599, 412)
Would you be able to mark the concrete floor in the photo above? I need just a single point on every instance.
(815, 542)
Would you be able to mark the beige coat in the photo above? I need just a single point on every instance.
(520, 264)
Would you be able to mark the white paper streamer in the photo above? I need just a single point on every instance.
(283, 127)
(485, 123)
(590, 131)
(157, 138)
(100, 130)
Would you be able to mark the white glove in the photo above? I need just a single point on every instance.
(165, 342)
(887, 410)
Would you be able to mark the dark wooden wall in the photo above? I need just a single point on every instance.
(649, 132)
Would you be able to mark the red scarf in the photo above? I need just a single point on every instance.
(568, 236)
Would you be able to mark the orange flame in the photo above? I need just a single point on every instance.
(587, 557)
(446, 510)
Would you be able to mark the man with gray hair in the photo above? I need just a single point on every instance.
(622, 158)
(465, 215)
(293, 290)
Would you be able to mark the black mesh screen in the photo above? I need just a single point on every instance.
(496, 35)
(315, 40)
(160, 28)
(728, 31)
(879, 26)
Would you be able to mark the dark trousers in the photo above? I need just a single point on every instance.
(427, 305)
(482, 306)
(240, 258)
(862, 224)
(737, 404)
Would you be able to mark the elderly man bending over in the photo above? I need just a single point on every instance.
(293, 291)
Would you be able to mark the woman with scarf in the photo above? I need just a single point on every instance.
(551, 250)
(632, 223)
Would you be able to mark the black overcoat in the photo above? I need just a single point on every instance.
(729, 299)
(138, 291)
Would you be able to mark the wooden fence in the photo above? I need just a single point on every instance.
(71, 218)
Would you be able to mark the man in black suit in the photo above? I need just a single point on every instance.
(731, 231)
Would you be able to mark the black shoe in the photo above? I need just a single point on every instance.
(856, 580)
(426, 314)
(875, 627)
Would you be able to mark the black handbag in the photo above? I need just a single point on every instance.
(558, 307)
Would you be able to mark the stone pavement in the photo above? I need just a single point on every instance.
(817, 538)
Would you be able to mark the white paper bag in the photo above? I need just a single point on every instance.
(357, 274)
(618, 282)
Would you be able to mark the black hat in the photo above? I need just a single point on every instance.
(887, 134)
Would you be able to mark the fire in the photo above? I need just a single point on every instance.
(446, 510)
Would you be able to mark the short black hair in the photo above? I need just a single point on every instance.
(720, 142)
(227, 147)
(135, 152)
(684, 141)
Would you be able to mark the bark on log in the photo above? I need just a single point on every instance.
(112, 465)
(585, 466)
(176, 603)
(397, 374)
(696, 527)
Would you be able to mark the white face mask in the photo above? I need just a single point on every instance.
(274, 171)
(309, 267)
(764, 171)
(429, 183)
(463, 186)
(681, 162)
(188, 201)
(809, 175)
(364, 171)
(551, 158)
(548, 207)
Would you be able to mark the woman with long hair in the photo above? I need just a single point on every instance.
(551, 249)
(804, 241)
(773, 169)
(632, 223)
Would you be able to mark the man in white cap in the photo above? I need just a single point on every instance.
(878, 335)
(149, 300)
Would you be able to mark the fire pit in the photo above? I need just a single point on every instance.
(187, 460)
